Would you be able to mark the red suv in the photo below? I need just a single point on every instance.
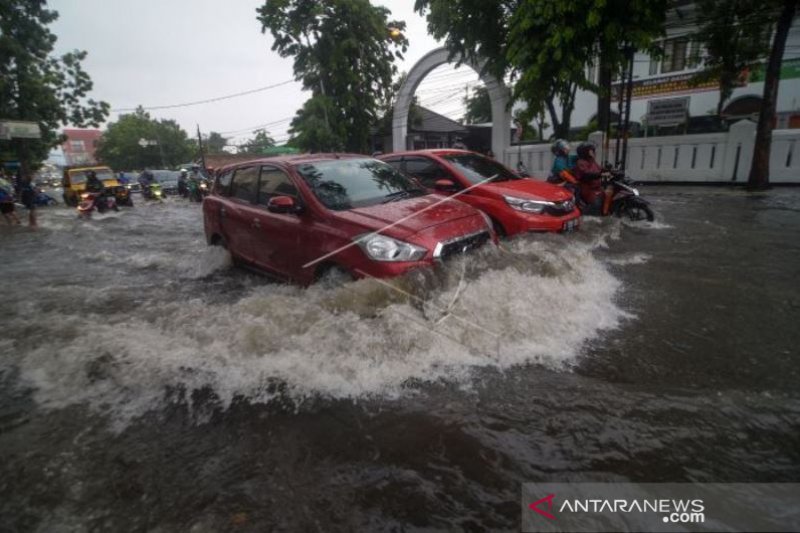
(515, 204)
(296, 217)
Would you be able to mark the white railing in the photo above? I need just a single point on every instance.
(704, 158)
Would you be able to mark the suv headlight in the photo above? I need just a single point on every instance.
(382, 248)
(527, 205)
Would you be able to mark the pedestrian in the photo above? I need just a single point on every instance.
(28, 197)
(7, 207)
(459, 144)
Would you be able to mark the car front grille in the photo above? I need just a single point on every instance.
(560, 208)
(461, 244)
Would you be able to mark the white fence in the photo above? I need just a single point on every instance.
(705, 158)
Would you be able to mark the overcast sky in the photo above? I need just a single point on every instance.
(155, 53)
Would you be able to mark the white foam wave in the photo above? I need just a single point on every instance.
(537, 302)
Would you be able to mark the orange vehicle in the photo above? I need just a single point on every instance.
(74, 183)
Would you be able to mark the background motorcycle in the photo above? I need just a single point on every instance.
(102, 202)
(626, 200)
(153, 192)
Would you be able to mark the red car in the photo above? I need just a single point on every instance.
(515, 205)
(295, 217)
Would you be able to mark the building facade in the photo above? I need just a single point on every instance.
(80, 146)
(666, 81)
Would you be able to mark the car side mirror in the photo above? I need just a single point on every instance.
(445, 185)
(283, 204)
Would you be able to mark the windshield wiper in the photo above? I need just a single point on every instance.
(402, 195)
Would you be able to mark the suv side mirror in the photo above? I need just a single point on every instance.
(282, 204)
(445, 185)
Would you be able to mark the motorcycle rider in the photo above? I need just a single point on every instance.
(183, 189)
(560, 172)
(146, 179)
(94, 185)
(195, 194)
(589, 175)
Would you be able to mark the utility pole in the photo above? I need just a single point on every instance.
(200, 147)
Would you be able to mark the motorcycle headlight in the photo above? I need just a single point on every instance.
(382, 248)
(84, 196)
(203, 186)
(527, 205)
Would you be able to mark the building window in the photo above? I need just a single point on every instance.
(674, 55)
(77, 146)
(653, 66)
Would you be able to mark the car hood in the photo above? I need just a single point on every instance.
(527, 188)
(417, 214)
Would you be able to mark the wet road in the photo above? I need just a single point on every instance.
(145, 385)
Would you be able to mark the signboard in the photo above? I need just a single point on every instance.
(18, 129)
(667, 112)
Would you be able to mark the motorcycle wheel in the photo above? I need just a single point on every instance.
(636, 211)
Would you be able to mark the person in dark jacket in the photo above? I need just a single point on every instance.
(28, 198)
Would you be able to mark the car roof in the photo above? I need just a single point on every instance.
(291, 160)
(430, 151)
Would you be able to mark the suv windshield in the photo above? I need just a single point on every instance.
(80, 176)
(477, 168)
(350, 183)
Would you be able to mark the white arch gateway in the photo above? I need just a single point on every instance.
(501, 115)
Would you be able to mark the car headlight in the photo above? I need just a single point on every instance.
(526, 204)
(382, 248)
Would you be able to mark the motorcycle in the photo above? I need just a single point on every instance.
(91, 201)
(43, 199)
(198, 189)
(626, 200)
(153, 192)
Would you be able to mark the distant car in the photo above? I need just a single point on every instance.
(296, 217)
(168, 179)
(515, 204)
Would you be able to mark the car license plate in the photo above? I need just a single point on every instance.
(570, 225)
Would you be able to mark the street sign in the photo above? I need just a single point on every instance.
(19, 129)
(667, 112)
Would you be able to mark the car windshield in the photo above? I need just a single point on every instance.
(477, 168)
(80, 175)
(166, 176)
(351, 183)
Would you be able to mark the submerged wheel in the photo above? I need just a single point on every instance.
(638, 211)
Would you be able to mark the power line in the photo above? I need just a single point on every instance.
(209, 100)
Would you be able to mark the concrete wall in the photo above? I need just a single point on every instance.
(706, 158)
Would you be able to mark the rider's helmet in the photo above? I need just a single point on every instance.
(584, 148)
(560, 147)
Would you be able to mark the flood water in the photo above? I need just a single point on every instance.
(147, 385)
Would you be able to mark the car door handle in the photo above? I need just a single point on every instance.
(222, 212)
(256, 223)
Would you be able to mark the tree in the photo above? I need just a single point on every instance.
(258, 143)
(479, 106)
(215, 142)
(36, 86)
(736, 35)
(759, 169)
(344, 53)
(136, 141)
(545, 46)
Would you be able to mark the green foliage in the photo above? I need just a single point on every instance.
(36, 86)
(344, 54)
(736, 35)
(386, 109)
(260, 141)
(120, 147)
(479, 106)
(214, 143)
(545, 46)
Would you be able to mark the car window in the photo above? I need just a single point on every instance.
(274, 182)
(245, 184)
(477, 168)
(352, 183)
(396, 164)
(224, 183)
(426, 170)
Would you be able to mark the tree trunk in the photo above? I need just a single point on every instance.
(759, 170)
(551, 108)
(604, 94)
